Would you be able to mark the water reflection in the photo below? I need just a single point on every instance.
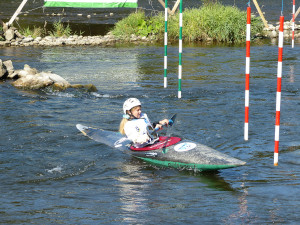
(132, 186)
(243, 212)
(211, 180)
(292, 74)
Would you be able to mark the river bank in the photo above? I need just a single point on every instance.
(109, 39)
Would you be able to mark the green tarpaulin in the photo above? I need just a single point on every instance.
(91, 3)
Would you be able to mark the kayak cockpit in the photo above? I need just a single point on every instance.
(163, 142)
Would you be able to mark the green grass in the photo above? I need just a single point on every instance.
(34, 33)
(212, 21)
(60, 30)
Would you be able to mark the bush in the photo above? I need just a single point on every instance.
(221, 23)
(213, 20)
(138, 24)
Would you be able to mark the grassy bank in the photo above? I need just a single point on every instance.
(210, 22)
(59, 29)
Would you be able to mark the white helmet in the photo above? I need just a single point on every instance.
(130, 103)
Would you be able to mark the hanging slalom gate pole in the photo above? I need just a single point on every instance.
(278, 94)
(180, 51)
(247, 74)
(166, 45)
(293, 25)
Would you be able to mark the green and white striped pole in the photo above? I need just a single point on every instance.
(180, 51)
(166, 45)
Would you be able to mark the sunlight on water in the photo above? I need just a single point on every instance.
(99, 66)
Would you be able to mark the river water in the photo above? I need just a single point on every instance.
(51, 174)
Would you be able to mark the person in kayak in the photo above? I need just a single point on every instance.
(136, 125)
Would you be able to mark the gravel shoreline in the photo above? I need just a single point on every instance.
(74, 40)
(110, 40)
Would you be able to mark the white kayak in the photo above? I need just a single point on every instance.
(168, 151)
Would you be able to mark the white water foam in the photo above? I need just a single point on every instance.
(55, 169)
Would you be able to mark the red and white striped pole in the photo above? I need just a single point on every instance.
(248, 30)
(293, 25)
(278, 94)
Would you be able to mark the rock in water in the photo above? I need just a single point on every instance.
(59, 82)
(33, 82)
(3, 70)
(9, 34)
(9, 66)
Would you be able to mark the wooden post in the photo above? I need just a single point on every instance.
(17, 12)
(261, 14)
(296, 14)
(175, 7)
(163, 4)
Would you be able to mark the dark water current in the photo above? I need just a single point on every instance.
(101, 20)
(51, 174)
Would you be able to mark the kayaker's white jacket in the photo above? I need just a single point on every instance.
(136, 131)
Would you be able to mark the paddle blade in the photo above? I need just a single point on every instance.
(172, 120)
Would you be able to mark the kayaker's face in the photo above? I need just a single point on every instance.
(136, 112)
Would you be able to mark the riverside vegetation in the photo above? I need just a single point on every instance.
(211, 22)
(59, 30)
(214, 22)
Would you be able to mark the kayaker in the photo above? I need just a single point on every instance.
(135, 124)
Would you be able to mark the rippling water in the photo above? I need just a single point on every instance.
(51, 174)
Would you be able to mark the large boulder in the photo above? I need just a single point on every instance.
(31, 79)
(33, 82)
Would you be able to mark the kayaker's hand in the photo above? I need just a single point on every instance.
(164, 122)
(158, 126)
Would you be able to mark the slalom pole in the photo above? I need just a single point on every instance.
(247, 74)
(166, 45)
(293, 25)
(180, 51)
(278, 94)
